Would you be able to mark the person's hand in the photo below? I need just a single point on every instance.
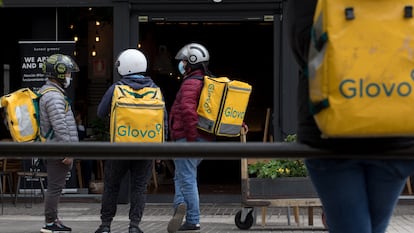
(67, 161)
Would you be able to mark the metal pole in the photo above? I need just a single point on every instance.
(169, 150)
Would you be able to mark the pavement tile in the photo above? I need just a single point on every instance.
(83, 217)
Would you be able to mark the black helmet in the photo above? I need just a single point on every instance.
(57, 65)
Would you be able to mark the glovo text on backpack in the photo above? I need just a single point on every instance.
(360, 81)
(137, 115)
(222, 106)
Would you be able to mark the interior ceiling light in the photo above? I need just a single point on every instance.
(97, 37)
(93, 53)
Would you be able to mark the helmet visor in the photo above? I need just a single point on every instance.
(182, 54)
(70, 63)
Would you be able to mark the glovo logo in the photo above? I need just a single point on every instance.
(207, 105)
(137, 95)
(128, 131)
(350, 88)
(232, 112)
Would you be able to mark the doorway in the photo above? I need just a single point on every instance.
(239, 50)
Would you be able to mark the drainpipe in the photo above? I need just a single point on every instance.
(6, 79)
(56, 24)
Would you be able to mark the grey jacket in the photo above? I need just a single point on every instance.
(56, 114)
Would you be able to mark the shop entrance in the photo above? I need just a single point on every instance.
(239, 50)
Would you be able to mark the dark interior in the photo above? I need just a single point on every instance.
(241, 51)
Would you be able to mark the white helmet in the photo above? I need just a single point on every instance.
(194, 53)
(131, 61)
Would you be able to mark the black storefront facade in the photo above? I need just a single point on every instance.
(246, 40)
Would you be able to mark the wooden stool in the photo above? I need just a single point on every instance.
(4, 175)
(100, 170)
(40, 176)
(79, 173)
(154, 175)
(409, 188)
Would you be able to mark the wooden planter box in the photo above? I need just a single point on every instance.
(278, 188)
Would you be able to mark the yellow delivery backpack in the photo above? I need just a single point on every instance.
(222, 106)
(137, 115)
(22, 114)
(361, 68)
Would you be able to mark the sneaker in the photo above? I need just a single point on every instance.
(56, 226)
(177, 219)
(134, 230)
(103, 229)
(188, 227)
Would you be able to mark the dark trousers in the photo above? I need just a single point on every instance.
(56, 181)
(115, 170)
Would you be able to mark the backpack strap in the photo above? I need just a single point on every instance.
(49, 89)
(199, 77)
(67, 100)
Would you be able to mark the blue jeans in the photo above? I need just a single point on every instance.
(186, 186)
(359, 196)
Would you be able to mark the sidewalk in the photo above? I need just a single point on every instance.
(83, 217)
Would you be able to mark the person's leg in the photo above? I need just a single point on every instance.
(179, 205)
(341, 186)
(186, 176)
(56, 180)
(140, 175)
(385, 182)
(114, 172)
(178, 195)
(87, 168)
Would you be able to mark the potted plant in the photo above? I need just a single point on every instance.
(279, 178)
(276, 168)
